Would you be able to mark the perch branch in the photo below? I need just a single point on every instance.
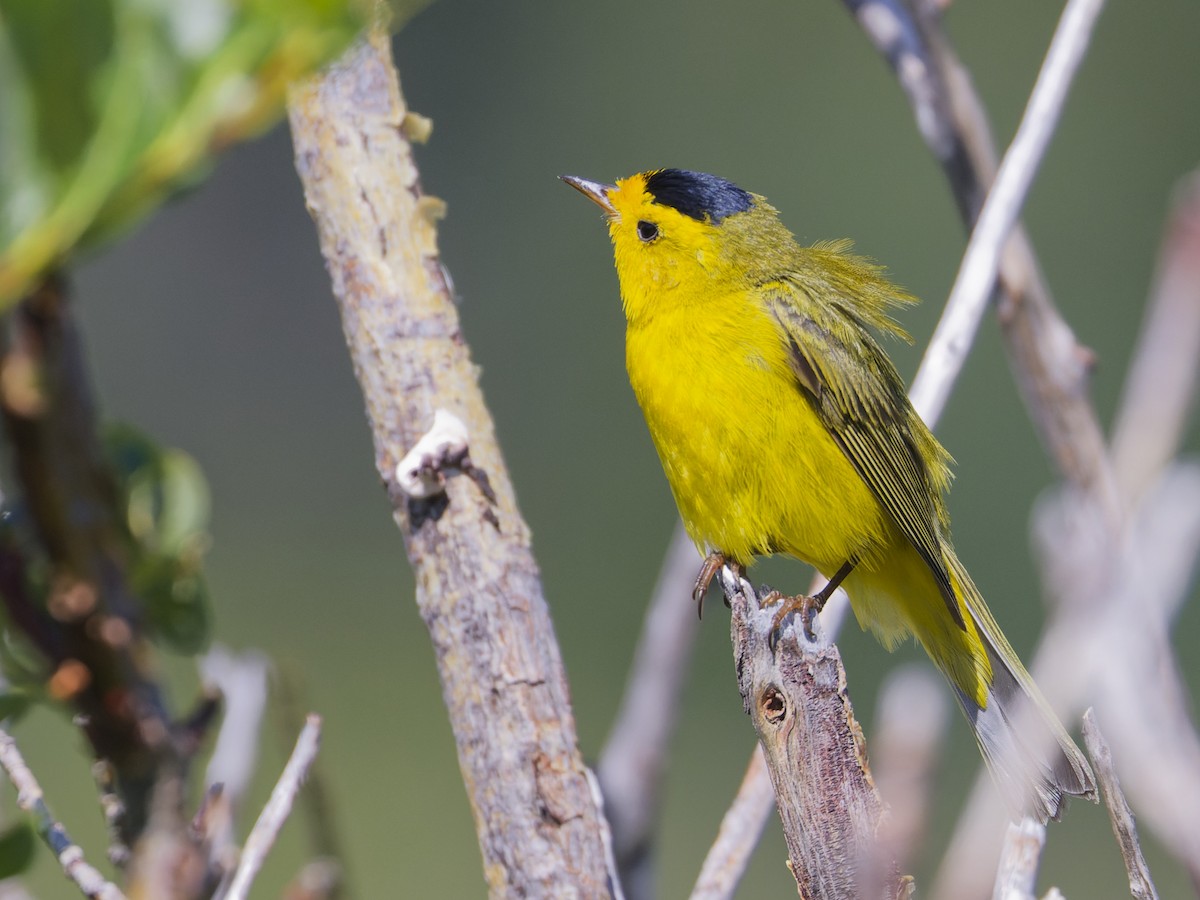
(1141, 885)
(66, 851)
(274, 814)
(813, 746)
(741, 828)
(478, 587)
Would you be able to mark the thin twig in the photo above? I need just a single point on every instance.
(317, 805)
(1016, 876)
(1050, 368)
(275, 813)
(634, 757)
(113, 809)
(69, 855)
(1161, 384)
(1141, 885)
(910, 723)
(241, 680)
(976, 277)
(741, 828)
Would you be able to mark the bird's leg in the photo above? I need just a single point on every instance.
(808, 607)
(708, 571)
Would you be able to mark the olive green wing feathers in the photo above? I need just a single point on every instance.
(862, 401)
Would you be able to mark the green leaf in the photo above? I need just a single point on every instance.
(178, 610)
(167, 509)
(107, 107)
(17, 846)
(14, 704)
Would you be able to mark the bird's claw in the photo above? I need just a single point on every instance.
(808, 607)
(708, 571)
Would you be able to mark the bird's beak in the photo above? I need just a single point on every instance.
(593, 190)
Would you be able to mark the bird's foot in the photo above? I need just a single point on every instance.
(708, 571)
(808, 607)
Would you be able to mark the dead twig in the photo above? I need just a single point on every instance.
(741, 828)
(66, 851)
(1161, 385)
(634, 757)
(1141, 885)
(974, 284)
(910, 726)
(274, 814)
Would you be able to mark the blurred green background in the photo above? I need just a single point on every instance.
(212, 327)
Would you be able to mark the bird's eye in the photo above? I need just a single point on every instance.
(647, 231)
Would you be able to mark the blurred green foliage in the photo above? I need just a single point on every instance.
(17, 847)
(109, 106)
(166, 513)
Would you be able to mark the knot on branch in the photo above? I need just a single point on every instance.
(773, 704)
(421, 474)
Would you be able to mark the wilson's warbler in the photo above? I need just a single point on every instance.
(783, 427)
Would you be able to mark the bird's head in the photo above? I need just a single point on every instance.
(680, 236)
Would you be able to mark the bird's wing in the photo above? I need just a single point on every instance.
(861, 399)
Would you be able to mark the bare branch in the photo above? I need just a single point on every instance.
(910, 726)
(69, 855)
(741, 828)
(1161, 383)
(634, 757)
(1050, 368)
(951, 342)
(1016, 877)
(317, 803)
(1141, 885)
(478, 587)
(275, 813)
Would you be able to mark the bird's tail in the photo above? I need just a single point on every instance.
(1030, 754)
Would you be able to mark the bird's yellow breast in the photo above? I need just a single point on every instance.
(752, 467)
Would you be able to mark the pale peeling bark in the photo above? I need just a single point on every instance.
(478, 587)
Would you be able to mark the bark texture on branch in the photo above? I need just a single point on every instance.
(833, 818)
(478, 587)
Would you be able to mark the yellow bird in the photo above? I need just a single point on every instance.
(783, 427)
